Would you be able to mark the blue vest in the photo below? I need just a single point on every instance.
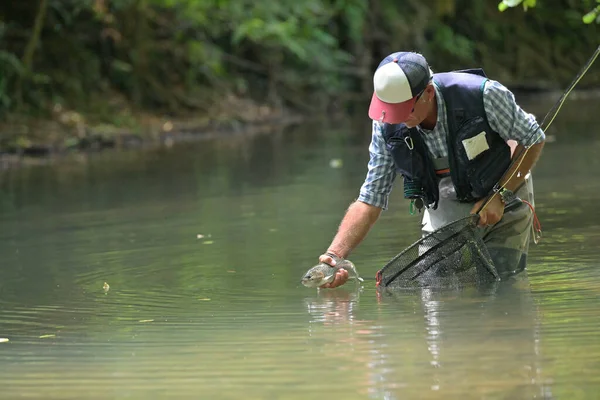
(473, 178)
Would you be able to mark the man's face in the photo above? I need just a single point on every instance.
(420, 110)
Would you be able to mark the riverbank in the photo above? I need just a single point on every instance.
(26, 140)
(41, 140)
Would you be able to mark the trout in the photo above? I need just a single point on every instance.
(323, 273)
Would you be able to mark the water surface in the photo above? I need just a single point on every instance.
(203, 246)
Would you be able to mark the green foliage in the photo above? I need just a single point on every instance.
(456, 44)
(180, 55)
(10, 68)
(513, 3)
(593, 15)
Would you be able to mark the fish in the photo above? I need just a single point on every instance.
(323, 273)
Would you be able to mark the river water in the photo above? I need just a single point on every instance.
(203, 245)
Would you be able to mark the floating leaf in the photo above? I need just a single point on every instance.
(208, 242)
(336, 163)
(3, 340)
(204, 299)
(146, 320)
(47, 336)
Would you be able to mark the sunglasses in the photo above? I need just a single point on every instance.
(416, 101)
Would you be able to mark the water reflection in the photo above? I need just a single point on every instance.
(339, 331)
(484, 342)
(330, 307)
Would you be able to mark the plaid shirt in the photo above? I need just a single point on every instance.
(504, 116)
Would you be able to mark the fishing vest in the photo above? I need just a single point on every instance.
(477, 155)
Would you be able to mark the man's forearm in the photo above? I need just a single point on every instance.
(354, 227)
(516, 175)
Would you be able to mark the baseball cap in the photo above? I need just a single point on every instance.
(399, 79)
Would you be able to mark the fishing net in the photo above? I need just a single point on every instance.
(452, 256)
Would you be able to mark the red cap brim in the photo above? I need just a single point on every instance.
(391, 113)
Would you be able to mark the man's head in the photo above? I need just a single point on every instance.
(402, 85)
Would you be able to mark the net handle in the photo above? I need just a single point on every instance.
(552, 115)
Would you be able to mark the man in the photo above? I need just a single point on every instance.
(447, 135)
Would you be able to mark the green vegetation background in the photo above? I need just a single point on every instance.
(126, 63)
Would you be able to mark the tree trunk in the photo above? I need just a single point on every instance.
(140, 54)
(32, 44)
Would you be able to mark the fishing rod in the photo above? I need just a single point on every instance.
(551, 115)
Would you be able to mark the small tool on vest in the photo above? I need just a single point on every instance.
(413, 190)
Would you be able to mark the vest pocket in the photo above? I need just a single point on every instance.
(485, 171)
(472, 139)
(482, 154)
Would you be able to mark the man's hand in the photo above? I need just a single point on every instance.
(341, 276)
(492, 213)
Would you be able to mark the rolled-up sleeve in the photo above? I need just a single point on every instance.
(507, 118)
(381, 172)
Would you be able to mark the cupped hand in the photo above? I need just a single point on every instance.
(491, 214)
(341, 275)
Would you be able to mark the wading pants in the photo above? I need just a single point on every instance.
(507, 240)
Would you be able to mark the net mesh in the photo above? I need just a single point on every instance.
(452, 256)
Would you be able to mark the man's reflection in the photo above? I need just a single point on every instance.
(482, 342)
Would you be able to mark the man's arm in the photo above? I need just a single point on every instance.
(515, 176)
(507, 118)
(355, 225)
(364, 212)
(513, 124)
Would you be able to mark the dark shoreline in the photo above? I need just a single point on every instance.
(38, 153)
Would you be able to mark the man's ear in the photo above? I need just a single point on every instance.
(430, 90)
